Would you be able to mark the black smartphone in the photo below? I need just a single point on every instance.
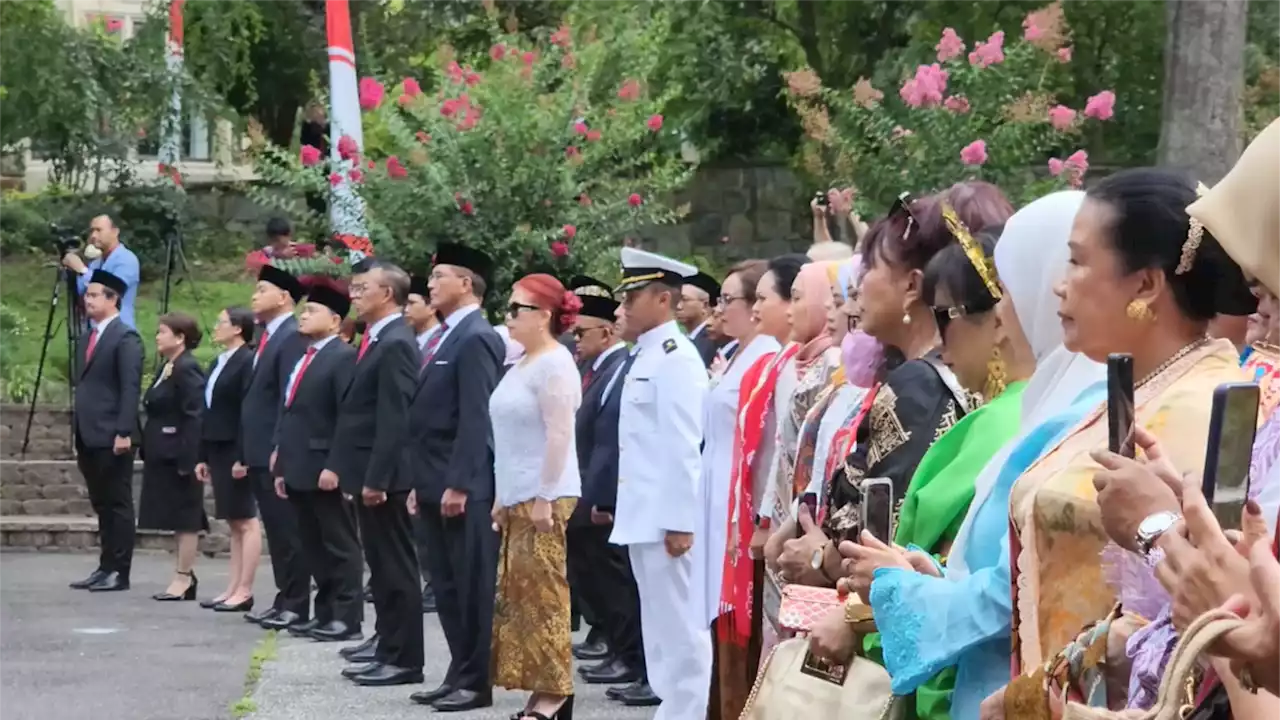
(1120, 404)
(1232, 425)
(809, 500)
(820, 197)
(877, 508)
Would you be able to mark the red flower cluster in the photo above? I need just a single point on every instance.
(464, 205)
(347, 148)
(309, 155)
(629, 91)
(468, 113)
(371, 93)
(459, 75)
(395, 170)
(561, 37)
(635, 200)
(655, 123)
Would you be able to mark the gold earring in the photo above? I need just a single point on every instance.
(1139, 310)
(997, 375)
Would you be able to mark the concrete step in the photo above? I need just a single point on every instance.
(50, 432)
(53, 487)
(62, 533)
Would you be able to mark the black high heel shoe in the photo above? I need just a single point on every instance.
(188, 594)
(244, 606)
(564, 712)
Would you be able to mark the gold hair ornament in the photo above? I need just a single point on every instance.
(1195, 234)
(973, 250)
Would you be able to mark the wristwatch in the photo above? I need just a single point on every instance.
(815, 561)
(1151, 528)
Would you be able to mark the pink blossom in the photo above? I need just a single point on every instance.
(630, 90)
(580, 128)
(114, 25)
(310, 155)
(572, 152)
(561, 37)
(454, 71)
(528, 58)
(570, 231)
(472, 78)
(1101, 106)
(958, 104)
(568, 62)
(404, 100)
(635, 200)
(450, 107)
(372, 164)
(1055, 167)
(465, 206)
(1079, 160)
(654, 122)
(394, 169)
(975, 153)
(593, 135)
(371, 92)
(559, 249)
(1061, 117)
(950, 46)
(1064, 54)
(411, 87)
(991, 52)
(470, 116)
(355, 175)
(584, 200)
(335, 179)
(422, 136)
(497, 51)
(347, 148)
(1030, 32)
(926, 88)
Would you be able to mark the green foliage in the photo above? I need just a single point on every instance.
(883, 142)
(533, 157)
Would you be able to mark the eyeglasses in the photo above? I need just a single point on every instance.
(726, 299)
(515, 308)
(942, 316)
(579, 333)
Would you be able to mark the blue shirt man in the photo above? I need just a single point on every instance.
(116, 259)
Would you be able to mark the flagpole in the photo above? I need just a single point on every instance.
(346, 209)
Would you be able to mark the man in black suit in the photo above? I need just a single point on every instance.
(279, 347)
(370, 459)
(425, 323)
(698, 300)
(109, 357)
(304, 442)
(453, 439)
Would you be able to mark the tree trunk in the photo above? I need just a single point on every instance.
(1203, 86)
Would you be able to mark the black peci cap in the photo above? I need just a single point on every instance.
(597, 298)
(336, 301)
(707, 284)
(478, 262)
(107, 280)
(418, 286)
(282, 280)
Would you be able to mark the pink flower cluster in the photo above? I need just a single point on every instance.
(957, 104)
(464, 205)
(371, 93)
(561, 37)
(347, 148)
(309, 155)
(1061, 117)
(974, 154)
(654, 123)
(411, 89)
(1075, 166)
(991, 52)
(461, 107)
(580, 128)
(459, 75)
(950, 46)
(629, 91)
(1101, 106)
(396, 170)
(926, 88)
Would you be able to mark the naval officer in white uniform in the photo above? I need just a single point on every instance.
(659, 473)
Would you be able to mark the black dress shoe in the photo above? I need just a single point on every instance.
(615, 673)
(615, 693)
(385, 675)
(304, 629)
(351, 671)
(257, 618)
(591, 651)
(336, 631)
(427, 697)
(94, 578)
(367, 646)
(245, 606)
(113, 582)
(460, 700)
(640, 696)
(282, 620)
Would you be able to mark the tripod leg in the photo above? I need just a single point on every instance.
(44, 354)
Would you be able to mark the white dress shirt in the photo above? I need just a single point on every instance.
(223, 358)
(272, 326)
(451, 321)
(424, 337)
(318, 345)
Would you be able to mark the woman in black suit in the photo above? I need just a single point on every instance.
(172, 497)
(232, 498)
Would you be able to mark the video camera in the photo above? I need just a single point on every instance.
(65, 240)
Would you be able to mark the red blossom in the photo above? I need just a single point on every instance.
(395, 170)
(371, 92)
(472, 78)
(584, 200)
(470, 116)
(654, 123)
(497, 51)
(450, 107)
(411, 87)
(454, 71)
(309, 155)
(355, 175)
(635, 200)
(347, 148)
(569, 231)
(593, 135)
(572, 152)
(335, 179)
(528, 58)
(561, 37)
(559, 249)
(404, 100)
(423, 137)
(580, 128)
(630, 90)
(114, 25)
(372, 164)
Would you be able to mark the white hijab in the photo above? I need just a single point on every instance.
(1031, 258)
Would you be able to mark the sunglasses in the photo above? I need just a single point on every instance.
(942, 316)
(579, 333)
(516, 308)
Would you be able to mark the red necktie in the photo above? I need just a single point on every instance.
(297, 380)
(93, 343)
(364, 345)
(262, 344)
(433, 342)
(586, 379)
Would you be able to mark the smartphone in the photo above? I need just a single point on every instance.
(1232, 425)
(820, 198)
(1120, 404)
(877, 508)
(809, 500)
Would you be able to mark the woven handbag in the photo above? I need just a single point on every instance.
(795, 684)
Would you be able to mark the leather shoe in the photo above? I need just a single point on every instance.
(591, 651)
(385, 675)
(597, 667)
(282, 620)
(427, 697)
(351, 671)
(245, 606)
(460, 700)
(257, 618)
(336, 631)
(368, 655)
(113, 582)
(94, 578)
(303, 629)
(640, 696)
(368, 646)
(615, 673)
(615, 693)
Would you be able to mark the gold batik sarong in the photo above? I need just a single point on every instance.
(532, 647)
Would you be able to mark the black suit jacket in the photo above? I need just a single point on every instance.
(221, 422)
(305, 434)
(452, 436)
(597, 437)
(175, 406)
(264, 393)
(707, 347)
(371, 445)
(106, 402)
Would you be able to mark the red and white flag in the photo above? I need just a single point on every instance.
(346, 140)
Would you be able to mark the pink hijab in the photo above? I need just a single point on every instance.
(813, 337)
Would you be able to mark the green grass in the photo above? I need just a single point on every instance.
(265, 650)
(25, 288)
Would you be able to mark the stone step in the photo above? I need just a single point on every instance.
(50, 432)
(52, 488)
(64, 533)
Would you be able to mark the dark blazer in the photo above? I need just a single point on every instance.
(597, 437)
(264, 393)
(706, 347)
(371, 445)
(221, 421)
(305, 434)
(106, 402)
(452, 437)
(174, 408)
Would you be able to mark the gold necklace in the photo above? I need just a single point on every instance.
(1186, 350)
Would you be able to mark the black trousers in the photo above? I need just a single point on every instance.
(109, 478)
(393, 576)
(420, 543)
(464, 570)
(288, 565)
(608, 588)
(331, 546)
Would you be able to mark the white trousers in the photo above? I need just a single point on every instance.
(677, 642)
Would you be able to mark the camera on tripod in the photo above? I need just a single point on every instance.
(65, 240)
